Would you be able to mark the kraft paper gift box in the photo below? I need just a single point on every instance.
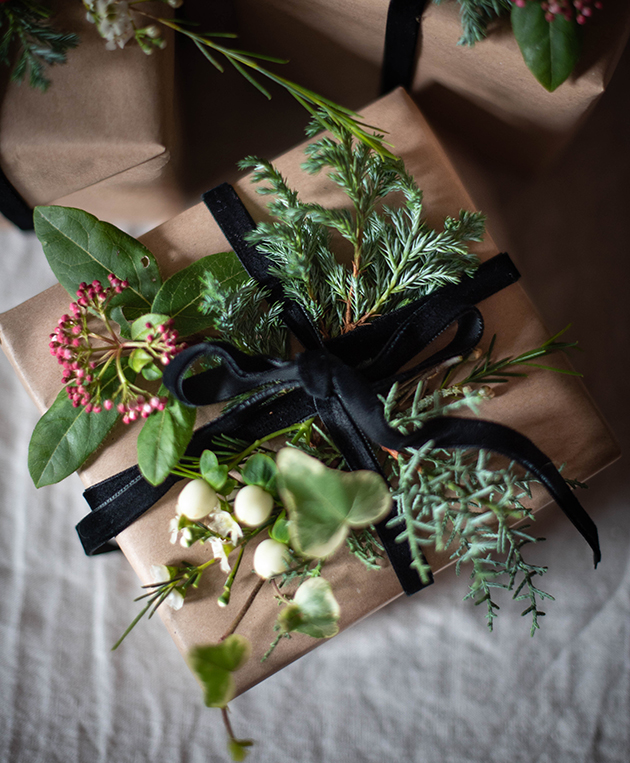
(101, 138)
(483, 95)
(554, 410)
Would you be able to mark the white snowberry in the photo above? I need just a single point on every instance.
(252, 505)
(197, 500)
(271, 558)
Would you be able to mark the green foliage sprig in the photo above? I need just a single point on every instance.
(548, 34)
(26, 27)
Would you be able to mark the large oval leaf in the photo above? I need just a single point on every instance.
(164, 438)
(324, 503)
(180, 296)
(550, 49)
(81, 248)
(65, 437)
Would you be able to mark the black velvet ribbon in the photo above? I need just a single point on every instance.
(401, 39)
(13, 206)
(338, 380)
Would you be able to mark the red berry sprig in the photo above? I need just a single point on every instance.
(581, 10)
(86, 354)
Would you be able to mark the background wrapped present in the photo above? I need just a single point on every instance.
(102, 137)
(551, 409)
(485, 95)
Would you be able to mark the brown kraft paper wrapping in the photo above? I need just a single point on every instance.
(552, 409)
(485, 93)
(101, 137)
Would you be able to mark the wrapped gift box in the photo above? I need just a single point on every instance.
(101, 138)
(484, 94)
(552, 409)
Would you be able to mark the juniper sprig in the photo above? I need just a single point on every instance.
(395, 256)
(26, 27)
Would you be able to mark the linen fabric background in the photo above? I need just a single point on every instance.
(422, 679)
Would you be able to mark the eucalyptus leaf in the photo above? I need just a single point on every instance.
(65, 437)
(81, 248)
(551, 49)
(214, 664)
(214, 473)
(314, 610)
(260, 470)
(280, 529)
(163, 439)
(323, 503)
(180, 295)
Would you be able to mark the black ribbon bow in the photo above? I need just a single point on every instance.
(338, 380)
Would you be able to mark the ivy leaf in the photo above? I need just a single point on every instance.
(80, 248)
(260, 470)
(324, 503)
(65, 437)
(180, 296)
(314, 610)
(214, 664)
(238, 747)
(214, 473)
(163, 439)
(551, 49)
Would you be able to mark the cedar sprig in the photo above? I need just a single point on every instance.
(395, 256)
(475, 16)
(26, 29)
(241, 317)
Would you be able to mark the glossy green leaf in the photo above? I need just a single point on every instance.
(260, 470)
(551, 49)
(180, 296)
(139, 358)
(163, 439)
(214, 473)
(323, 503)
(79, 247)
(214, 664)
(314, 610)
(152, 372)
(65, 437)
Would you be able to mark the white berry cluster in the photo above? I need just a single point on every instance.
(198, 502)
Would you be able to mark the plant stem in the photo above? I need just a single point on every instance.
(244, 608)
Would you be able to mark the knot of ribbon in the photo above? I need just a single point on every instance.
(338, 380)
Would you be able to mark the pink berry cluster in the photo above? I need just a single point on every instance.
(85, 353)
(140, 406)
(580, 9)
(163, 340)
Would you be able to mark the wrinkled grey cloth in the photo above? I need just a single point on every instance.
(421, 680)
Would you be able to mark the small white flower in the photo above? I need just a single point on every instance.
(218, 550)
(173, 527)
(160, 574)
(223, 524)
